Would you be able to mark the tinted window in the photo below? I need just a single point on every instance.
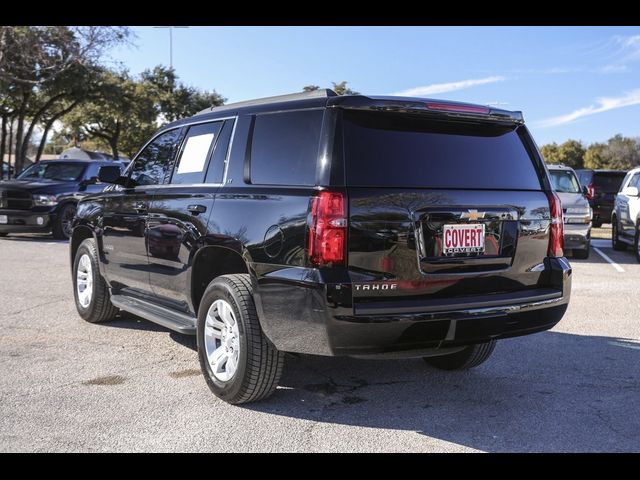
(564, 181)
(67, 172)
(608, 182)
(215, 172)
(408, 151)
(284, 148)
(635, 181)
(196, 149)
(154, 161)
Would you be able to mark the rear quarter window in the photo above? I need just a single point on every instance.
(284, 148)
(410, 151)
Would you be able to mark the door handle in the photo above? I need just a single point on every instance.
(197, 209)
(140, 207)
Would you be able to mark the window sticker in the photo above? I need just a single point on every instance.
(194, 155)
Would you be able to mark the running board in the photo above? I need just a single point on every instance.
(179, 322)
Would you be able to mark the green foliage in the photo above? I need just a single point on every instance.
(340, 88)
(570, 153)
(619, 153)
(126, 110)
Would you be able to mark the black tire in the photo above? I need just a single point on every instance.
(636, 244)
(62, 226)
(3, 234)
(100, 308)
(615, 237)
(470, 357)
(596, 223)
(259, 363)
(581, 254)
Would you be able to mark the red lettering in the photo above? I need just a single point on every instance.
(447, 238)
(467, 237)
(473, 238)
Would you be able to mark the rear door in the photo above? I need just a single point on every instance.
(179, 211)
(442, 208)
(629, 207)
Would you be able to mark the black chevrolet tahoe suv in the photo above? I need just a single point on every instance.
(43, 198)
(376, 227)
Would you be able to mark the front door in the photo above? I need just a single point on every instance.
(126, 216)
(179, 212)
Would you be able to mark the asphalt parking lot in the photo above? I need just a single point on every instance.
(66, 385)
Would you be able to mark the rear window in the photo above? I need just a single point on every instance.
(284, 148)
(408, 151)
(608, 182)
(564, 181)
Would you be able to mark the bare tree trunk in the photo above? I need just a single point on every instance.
(3, 145)
(34, 121)
(11, 145)
(19, 161)
(48, 126)
(114, 142)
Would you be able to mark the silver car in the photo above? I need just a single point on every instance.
(576, 210)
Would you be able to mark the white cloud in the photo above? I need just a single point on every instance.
(603, 104)
(628, 46)
(448, 87)
(612, 68)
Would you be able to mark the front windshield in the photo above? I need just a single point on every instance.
(564, 181)
(67, 172)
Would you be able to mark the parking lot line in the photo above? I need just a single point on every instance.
(608, 259)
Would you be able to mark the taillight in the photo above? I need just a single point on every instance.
(591, 191)
(328, 232)
(453, 107)
(556, 234)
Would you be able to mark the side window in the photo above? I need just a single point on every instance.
(215, 172)
(153, 162)
(196, 150)
(635, 181)
(284, 148)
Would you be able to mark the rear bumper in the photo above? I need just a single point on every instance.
(27, 221)
(576, 236)
(310, 317)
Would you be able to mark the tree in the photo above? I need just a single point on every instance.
(45, 68)
(571, 153)
(594, 156)
(121, 112)
(622, 153)
(340, 88)
(175, 100)
(550, 153)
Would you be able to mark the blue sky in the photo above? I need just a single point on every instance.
(570, 82)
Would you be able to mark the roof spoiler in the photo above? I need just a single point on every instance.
(428, 106)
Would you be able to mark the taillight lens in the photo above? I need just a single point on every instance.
(452, 107)
(328, 232)
(591, 191)
(556, 234)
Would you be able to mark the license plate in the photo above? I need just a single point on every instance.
(463, 238)
(4, 219)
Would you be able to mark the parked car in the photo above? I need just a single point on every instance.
(44, 196)
(313, 223)
(625, 220)
(575, 208)
(602, 186)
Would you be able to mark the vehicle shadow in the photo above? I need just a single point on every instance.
(547, 392)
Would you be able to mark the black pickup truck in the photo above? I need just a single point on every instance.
(375, 227)
(44, 196)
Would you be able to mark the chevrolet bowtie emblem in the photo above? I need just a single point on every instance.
(472, 215)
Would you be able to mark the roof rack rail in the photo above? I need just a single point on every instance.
(291, 97)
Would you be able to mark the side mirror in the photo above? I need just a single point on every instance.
(630, 191)
(91, 181)
(111, 174)
(585, 190)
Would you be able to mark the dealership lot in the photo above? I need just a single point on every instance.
(66, 385)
